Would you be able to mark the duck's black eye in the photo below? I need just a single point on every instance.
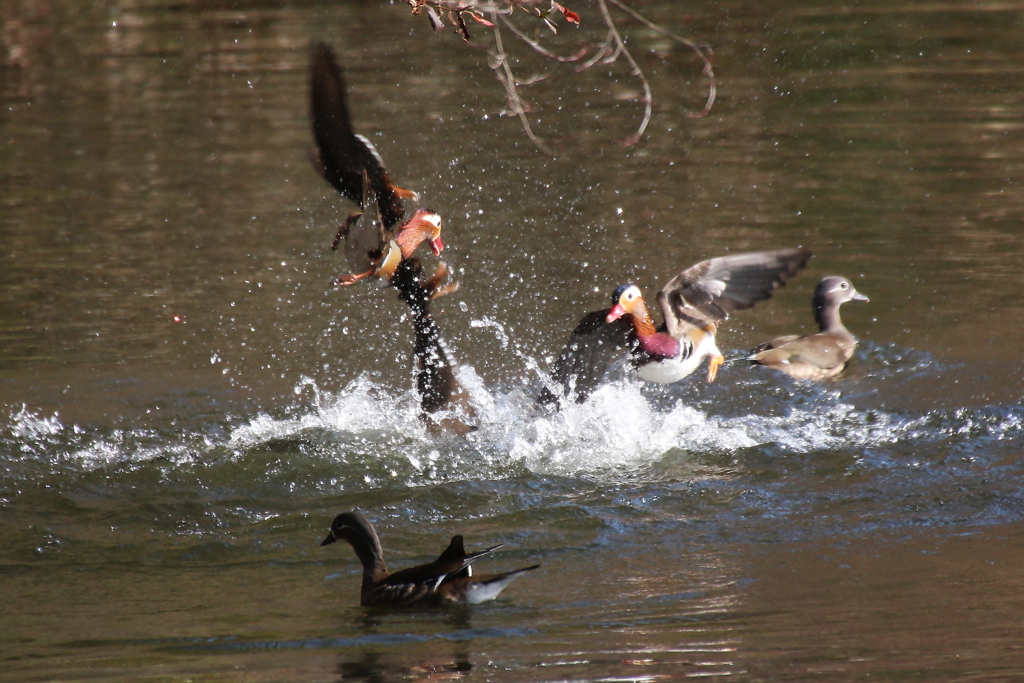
(845, 285)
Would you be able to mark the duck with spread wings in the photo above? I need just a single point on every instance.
(693, 304)
(376, 241)
(351, 164)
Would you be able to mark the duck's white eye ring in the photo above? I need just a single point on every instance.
(844, 285)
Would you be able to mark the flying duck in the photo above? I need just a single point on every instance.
(448, 579)
(352, 165)
(378, 246)
(346, 160)
(693, 304)
(815, 356)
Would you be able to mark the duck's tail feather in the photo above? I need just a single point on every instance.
(488, 588)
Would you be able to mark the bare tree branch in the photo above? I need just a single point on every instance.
(698, 49)
(540, 48)
(504, 72)
(648, 106)
(492, 12)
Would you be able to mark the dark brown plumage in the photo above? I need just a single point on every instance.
(448, 579)
(446, 405)
(346, 160)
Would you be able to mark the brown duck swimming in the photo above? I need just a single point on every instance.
(815, 356)
(693, 304)
(448, 579)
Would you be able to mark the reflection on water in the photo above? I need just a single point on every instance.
(374, 662)
(188, 401)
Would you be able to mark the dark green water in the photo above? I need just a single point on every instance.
(187, 401)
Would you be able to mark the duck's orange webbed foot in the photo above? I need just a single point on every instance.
(402, 193)
(445, 291)
(716, 362)
(433, 285)
(352, 278)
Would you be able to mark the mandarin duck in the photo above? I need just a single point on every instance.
(693, 304)
(448, 579)
(815, 356)
(380, 249)
(351, 164)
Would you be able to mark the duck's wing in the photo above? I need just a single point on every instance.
(341, 156)
(708, 292)
(364, 233)
(594, 346)
(427, 581)
(456, 562)
(822, 351)
(773, 344)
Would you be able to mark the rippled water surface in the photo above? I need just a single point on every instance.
(187, 401)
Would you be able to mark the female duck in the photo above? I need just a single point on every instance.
(815, 356)
(448, 579)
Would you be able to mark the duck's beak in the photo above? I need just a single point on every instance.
(331, 538)
(437, 246)
(617, 312)
(857, 296)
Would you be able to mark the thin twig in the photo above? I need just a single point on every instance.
(607, 52)
(508, 80)
(536, 78)
(635, 138)
(602, 50)
(698, 49)
(479, 6)
(540, 48)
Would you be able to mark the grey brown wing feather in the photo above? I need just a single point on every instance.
(425, 582)
(595, 345)
(773, 343)
(821, 352)
(417, 583)
(402, 593)
(709, 291)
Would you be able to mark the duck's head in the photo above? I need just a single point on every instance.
(425, 225)
(344, 527)
(354, 528)
(836, 290)
(625, 299)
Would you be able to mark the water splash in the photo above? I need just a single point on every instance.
(364, 437)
